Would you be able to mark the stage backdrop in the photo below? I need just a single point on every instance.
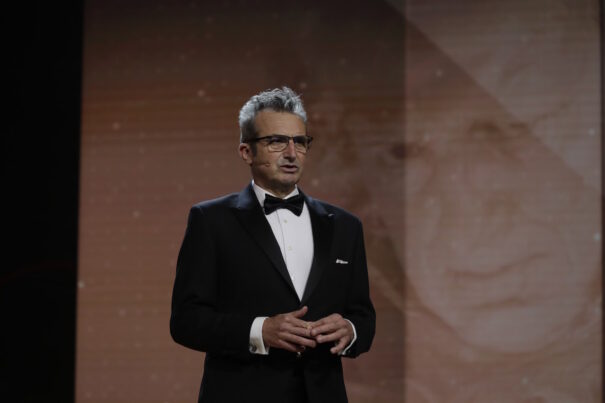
(465, 135)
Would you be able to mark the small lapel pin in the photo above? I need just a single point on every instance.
(339, 261)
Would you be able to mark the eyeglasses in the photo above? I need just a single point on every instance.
(279, 142)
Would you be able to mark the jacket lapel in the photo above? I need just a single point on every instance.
(323, 227)
(252, 218)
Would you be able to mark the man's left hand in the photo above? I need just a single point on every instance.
(333, 328)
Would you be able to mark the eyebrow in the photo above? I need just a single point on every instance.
(285, 135)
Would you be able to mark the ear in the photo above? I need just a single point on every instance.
(246, 153)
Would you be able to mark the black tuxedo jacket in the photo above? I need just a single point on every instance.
(230, 270)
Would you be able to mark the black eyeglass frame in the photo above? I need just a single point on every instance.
(294, 139)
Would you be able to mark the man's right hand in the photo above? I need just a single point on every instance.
(287, 331)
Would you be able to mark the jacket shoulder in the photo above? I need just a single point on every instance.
(337, 212)
(219, 203)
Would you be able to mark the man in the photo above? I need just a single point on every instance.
(271, 283)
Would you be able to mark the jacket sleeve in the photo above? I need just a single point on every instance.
(195, 321)
(360, 310)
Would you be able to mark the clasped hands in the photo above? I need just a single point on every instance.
(289, 332)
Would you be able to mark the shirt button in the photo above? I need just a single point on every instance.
(289, 248)
(286, 221)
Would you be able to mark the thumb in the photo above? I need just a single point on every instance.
(301, 312)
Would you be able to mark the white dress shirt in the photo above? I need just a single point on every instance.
(294, 236)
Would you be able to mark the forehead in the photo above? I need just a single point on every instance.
(270, 122)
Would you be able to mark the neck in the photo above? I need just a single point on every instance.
(277, 191)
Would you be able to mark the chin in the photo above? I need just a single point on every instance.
(290, 180)
(285, 186)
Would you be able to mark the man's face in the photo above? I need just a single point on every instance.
(276, 172)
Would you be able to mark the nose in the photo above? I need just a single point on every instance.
(290, 151)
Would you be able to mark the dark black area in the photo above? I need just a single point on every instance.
(40, 163)
(602, 38)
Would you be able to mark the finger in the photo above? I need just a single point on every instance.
(295, 338)
(298, 323)
(340, 346)
(292, 322)
(323, 338)
(298, 340)
(300, 312)
(297, 330)
(324, 320)
(294, 317)
(291, 332)
(326, 328)
(328, 320)
(288, 346)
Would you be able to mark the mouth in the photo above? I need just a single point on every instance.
(289, 168)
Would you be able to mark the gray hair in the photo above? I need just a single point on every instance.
(278, 99)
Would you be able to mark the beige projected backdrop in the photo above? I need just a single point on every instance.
(465, 135)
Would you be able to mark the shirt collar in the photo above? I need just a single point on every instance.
(261, 193)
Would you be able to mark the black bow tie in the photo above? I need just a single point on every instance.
(294, 204)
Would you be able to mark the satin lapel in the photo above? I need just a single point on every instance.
(252, 218)
(323, 228)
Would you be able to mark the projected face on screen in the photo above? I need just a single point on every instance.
(495, 223)
(502, 236)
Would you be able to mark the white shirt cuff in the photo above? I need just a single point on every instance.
(344, 352)
(257, 346)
